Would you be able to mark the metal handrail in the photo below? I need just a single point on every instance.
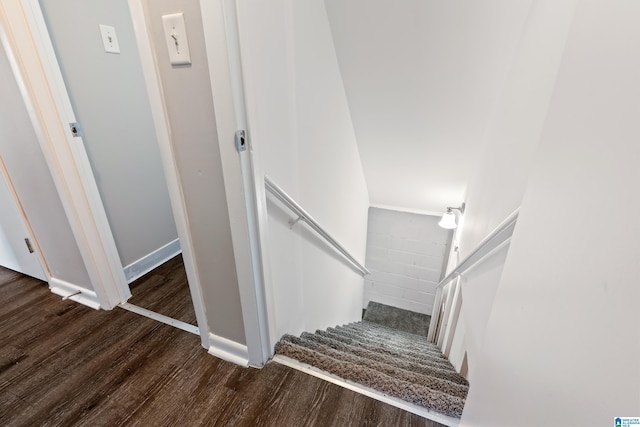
(288, 201)
(494, 241)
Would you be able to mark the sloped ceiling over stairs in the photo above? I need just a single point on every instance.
(422, 77)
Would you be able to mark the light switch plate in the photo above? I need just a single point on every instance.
(109, 39)
(176, 36)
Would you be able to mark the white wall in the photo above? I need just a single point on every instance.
(479, 286)
(301, 130)
(511, 140)
(108, 95)
(190, 111)
(34, 185)
(514, 130)
(406, 255)
(422, 78)
(562, 346)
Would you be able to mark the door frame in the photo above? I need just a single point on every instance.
(24, 34)
(25, 38)
(243, 176)
(221, 40)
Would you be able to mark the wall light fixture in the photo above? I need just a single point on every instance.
(448, 220)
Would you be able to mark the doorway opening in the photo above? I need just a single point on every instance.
(106, 91)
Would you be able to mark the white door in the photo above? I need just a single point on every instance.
(15, 253)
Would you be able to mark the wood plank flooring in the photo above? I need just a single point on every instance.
(165, 290)
(63, 364)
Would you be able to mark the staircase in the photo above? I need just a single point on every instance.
(393, 362)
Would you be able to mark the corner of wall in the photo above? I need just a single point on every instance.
(228, 350)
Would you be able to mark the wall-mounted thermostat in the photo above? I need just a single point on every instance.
(176, 36)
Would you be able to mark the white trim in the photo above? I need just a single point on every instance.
(407, 210)
(220, 26)
(435, 314)
(174, 186)
(359, 388)
(228, 350)
(448, 292)
(26, 40)
(454, 318)
(495, 241)
(193, 329)
(487, 247)
(150, 261)
(75, 293)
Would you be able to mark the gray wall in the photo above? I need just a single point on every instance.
(108, 95)
(406, 255)
(189, 104)
(34, 185)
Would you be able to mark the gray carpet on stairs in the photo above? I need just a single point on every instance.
(397, 318)
(396, 363)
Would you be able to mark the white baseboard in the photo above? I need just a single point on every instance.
(148, 262)
(228, 350)
(75, 293)
(193, 329)
(359, 388)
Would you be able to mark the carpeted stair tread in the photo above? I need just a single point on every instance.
(403, 365)
(432, 399)
(387, 330)
(387, 349)
(380, 331)
(399, 341)
(386, 367)
(435, 370)
(397, 318)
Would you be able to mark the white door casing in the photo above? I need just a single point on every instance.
(24, 36)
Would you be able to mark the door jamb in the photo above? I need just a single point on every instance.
(26, 40)
(243, 176)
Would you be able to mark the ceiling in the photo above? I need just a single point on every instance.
(421, 78)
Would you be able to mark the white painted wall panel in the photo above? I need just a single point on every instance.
(564, 334)
(406, 256)
(422, 78)
(479, 287)
(513, 133)
(301, 130)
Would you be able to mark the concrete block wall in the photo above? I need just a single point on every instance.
(406, 254)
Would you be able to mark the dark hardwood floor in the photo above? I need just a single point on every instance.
(63, 364)
(165, 290)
